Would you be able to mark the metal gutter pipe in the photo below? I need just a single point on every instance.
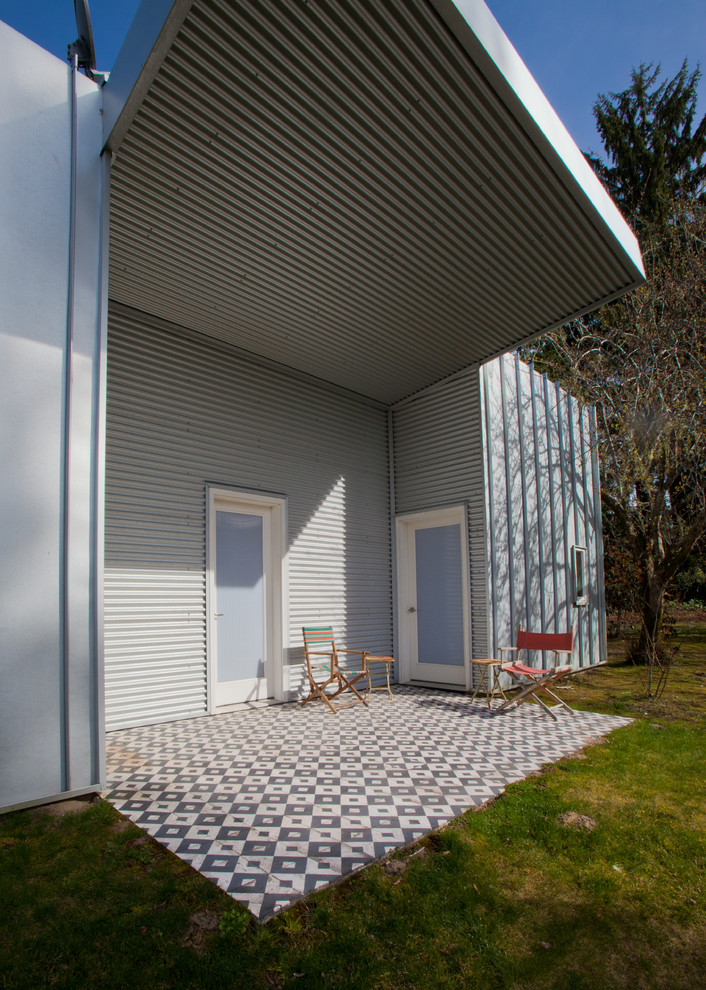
(64, 615)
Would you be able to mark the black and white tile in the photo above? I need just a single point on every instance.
(279, 801)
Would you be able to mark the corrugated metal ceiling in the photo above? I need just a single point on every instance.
(335, 186)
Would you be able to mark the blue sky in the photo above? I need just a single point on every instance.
(575, 49)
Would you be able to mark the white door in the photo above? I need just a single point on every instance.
(245, 598)
(433, 597)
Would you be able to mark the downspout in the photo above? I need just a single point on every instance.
(64, 607)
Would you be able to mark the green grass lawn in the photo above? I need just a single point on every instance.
(588, 875)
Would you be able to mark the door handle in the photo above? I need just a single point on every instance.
(216, 614)
(411, 609)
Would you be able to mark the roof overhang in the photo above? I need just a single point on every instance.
(374, 193)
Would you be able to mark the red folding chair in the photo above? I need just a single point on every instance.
(533, 680)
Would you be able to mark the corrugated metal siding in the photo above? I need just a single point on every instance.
(184, 412)
(438, 462)
(541, 490)
(314, 172)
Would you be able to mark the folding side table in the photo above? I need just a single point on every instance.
(489, 678)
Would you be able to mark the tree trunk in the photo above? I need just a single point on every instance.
(650, 648)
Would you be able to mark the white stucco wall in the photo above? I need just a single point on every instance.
(48, 702)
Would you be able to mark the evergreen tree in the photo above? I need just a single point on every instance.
(655, 156)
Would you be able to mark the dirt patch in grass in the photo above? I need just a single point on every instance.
(572, 819)
(394, 867)
(61, 808)
(202, 926)
(122, 825)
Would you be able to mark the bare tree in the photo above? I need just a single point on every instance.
(642, 363)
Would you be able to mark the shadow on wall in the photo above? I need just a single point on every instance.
(539, 493)
(183, 414)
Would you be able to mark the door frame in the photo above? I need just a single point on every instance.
(276, 596)
(406, 582)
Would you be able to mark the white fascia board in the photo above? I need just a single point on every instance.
(151, 34)
(481, 36)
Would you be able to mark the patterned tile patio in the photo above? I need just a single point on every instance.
(279, 801)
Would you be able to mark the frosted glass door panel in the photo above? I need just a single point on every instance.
(433, 597)
(440, 618)
(240, 601)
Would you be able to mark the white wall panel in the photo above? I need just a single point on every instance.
(542, 492)
(51, 238)
(183, 413)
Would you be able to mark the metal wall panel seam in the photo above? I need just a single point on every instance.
(575, 512)
(65, 531)
(508, 498)
(491, 511)
(564, 513)
(589, 530)
(580, 514)
(550, 469)
(477, 529)
(540, 513)
(600, 566)
(523, 485)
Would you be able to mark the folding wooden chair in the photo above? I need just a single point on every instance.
(329, 673)
(532, 680)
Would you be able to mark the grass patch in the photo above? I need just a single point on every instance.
(521, 894)
(621, 687)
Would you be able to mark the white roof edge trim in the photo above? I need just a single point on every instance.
(479, 33)
(149, 38)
